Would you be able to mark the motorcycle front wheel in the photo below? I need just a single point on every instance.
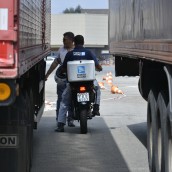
(83, 121)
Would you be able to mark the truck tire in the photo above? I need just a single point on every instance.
(151, 120)
(83, 121)
(162, 103)
(157, 141)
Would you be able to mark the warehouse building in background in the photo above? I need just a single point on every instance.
(92, 24)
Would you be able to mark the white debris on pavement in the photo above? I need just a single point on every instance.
(50, 106)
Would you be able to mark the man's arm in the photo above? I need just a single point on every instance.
(54, 64)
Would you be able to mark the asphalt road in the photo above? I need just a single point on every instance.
(115, 142)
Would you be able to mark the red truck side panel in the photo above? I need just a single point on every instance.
(34, 32)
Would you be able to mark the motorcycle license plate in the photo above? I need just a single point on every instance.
(83, 97)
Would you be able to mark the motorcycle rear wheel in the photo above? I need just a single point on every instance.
(83, 121)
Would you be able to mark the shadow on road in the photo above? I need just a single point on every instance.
(71, 151)
(140, 131)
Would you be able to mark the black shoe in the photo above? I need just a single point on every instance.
(95, 111)
(60, 127)
(71, 124)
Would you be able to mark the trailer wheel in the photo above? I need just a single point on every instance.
(83, 121)
(167, 147)
(151, 111)
(157, 141)
(166, 132)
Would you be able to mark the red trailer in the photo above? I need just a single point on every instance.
(24, 43)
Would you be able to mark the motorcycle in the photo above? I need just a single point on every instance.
(81, 76)
(83, 97)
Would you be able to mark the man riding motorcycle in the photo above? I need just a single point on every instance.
(78, 53)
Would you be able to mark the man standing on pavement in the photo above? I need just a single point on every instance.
(68, 38)
(66, 96)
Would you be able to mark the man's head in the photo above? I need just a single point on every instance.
(68, 38)
(79, 40)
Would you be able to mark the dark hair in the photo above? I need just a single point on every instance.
(79, 40)
(69, 35)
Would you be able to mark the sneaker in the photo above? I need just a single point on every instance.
(95, 111)
(60, 127)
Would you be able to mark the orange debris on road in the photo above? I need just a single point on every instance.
(101, 84)
(109, 80)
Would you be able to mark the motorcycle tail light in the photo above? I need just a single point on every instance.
(82, 88)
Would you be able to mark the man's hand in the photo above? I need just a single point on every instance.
(46, 77)
(99, 68)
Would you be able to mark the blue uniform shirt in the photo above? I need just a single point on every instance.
(79, 53)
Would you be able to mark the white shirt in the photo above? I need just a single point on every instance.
(62, 53)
